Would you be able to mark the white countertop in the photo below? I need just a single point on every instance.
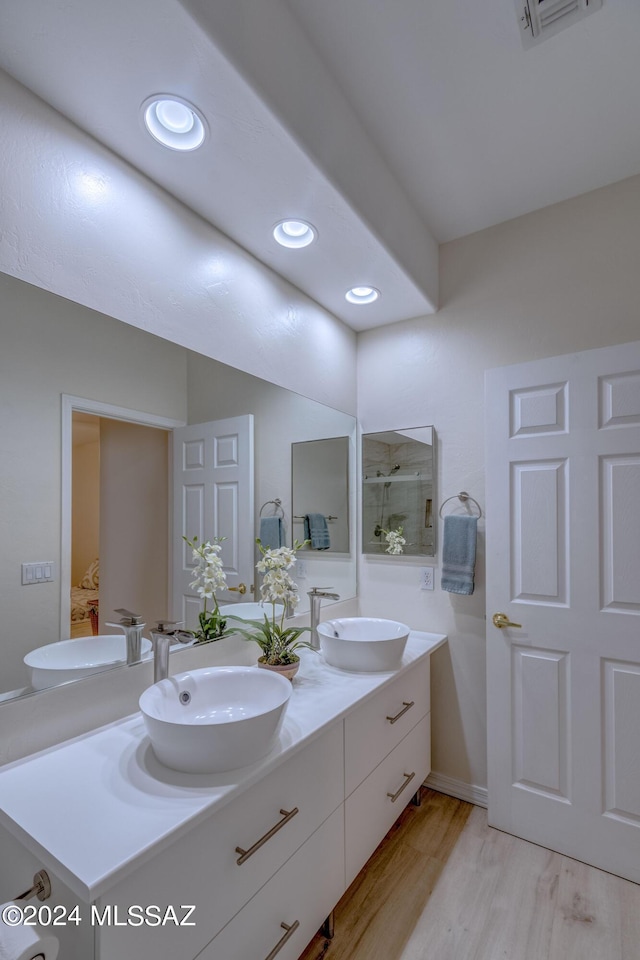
(94, 808)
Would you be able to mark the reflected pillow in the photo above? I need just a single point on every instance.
(91, 579)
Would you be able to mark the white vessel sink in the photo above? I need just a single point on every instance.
(215, 719)
(72, 659)
(250, 611)
(363, 644)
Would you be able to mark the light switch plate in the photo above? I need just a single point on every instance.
(41, 571)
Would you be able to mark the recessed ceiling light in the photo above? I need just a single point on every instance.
(294, 233)
(362, 294)
(174, 122)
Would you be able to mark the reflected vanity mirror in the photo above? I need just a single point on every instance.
(320, 494)
(398, 492)
(54, 352)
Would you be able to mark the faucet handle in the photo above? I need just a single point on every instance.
(316, 590)
(166, 626)
(129, 619)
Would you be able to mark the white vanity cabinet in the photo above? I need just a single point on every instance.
(120, 830)
(377, 803)
(383, 737)
(286, 913)
(387, 757)
(375, 727)
(202, 867)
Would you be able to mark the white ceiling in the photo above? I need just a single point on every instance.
(386, 123)
(476, 128)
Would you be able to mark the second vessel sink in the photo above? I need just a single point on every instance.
(215, 719)
(67, 660)
(363, 644)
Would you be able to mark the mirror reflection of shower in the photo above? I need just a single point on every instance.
(384, 500)
(398, 484)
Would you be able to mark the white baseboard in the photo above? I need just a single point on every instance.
(457, 788)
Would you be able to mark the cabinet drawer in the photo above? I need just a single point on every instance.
(303, 892)
(201, 868)
(370, 811)
(370, 734)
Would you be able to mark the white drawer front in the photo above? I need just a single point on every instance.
(370, 733)
(303, 892)
(370, 811)
(201, 868)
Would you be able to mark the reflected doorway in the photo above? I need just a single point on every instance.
(85, 525)
(116, 530)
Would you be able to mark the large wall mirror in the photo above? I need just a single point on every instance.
(399, 493)
(136, 386)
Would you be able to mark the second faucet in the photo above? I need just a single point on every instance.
(316, 595)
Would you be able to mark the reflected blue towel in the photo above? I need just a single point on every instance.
(317, 530)
(271, 532)
(459, 554)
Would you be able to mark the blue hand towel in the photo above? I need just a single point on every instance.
(459, 554)
(316, 530)
(271, 532)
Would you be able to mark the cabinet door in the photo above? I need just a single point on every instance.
(291, 906)
(201, 868)
(377, 803)
(375, 728)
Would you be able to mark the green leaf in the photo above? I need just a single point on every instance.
(276, 642)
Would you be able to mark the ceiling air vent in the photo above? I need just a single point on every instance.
(540, 19)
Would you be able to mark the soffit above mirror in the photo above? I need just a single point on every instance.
(254, 168)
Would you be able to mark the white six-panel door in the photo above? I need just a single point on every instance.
(212, 497)
(563, 560)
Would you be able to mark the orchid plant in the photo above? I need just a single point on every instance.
(395, 540)
(278, 644)
(209, 576)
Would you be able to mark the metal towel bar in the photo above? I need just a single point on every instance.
(328, 517)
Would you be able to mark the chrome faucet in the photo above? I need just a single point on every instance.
(132, 626)
(316, 595)
(162, 636)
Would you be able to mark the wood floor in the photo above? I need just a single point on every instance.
(444, 886)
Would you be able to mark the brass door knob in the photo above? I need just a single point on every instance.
(241, 589)
(501, 620)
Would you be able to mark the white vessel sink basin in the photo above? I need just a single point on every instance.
(363, 644)
(72, 659)
(215, 719)
(250, 611)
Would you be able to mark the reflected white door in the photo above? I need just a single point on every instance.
(212, 497)
(563, 560)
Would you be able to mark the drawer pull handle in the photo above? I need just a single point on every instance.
(289, 932)
(405, 706)
(245, 854)
(409, 778)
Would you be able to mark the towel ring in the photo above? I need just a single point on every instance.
(463, 496)
(278, 505)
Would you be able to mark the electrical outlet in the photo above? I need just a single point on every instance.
(426, 578)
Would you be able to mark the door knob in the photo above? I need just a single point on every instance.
(241, 589)
(501, 620)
